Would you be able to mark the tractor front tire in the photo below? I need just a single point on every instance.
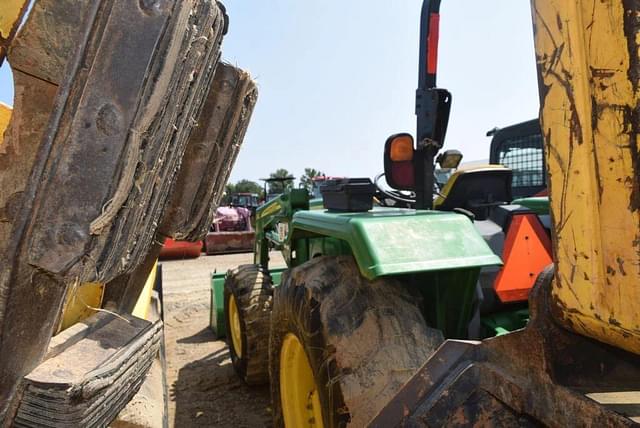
(341, 346)
(247, 310)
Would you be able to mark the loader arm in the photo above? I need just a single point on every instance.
(272, 224)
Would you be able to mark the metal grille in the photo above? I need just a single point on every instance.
(524, 155)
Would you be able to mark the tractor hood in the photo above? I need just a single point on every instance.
(391, 241)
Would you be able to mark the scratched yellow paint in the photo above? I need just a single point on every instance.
(141, 309)
(83, 299)
(5, 117)
(81, 303)
(588, 101)
(9, 15)
(272, 209)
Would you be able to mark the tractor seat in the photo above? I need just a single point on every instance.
(478, 190)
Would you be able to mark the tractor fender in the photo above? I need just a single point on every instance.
(392, 241)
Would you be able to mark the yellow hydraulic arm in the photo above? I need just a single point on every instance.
(589, 68)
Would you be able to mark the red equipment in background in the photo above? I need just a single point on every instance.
(180, 249)
(231, 231)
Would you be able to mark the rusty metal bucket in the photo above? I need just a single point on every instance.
(229, 242)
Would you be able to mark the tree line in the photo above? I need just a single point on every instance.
(249, 186)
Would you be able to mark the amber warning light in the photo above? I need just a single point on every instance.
(398, 162)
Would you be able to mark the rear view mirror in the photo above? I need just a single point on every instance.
(449, 159)
(398, 162)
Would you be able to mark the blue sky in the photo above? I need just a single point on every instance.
(337, 77)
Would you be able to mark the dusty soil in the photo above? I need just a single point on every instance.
(203, 388)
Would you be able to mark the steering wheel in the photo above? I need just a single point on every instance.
(398, 196)
(402, 196)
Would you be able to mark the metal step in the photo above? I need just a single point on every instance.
(626, 403)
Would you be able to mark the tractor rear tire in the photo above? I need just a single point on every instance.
(247, 310)
(362, 340)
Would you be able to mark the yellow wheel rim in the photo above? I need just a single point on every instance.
(236, 330)
(298, 391)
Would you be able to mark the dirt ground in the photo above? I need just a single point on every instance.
(203, 388)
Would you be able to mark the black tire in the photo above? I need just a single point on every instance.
(251, 288)
(363, 339)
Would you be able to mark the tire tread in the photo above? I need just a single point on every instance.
(251, 286)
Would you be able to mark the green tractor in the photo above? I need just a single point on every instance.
(371, 292)
(363, 302)
(367, 296)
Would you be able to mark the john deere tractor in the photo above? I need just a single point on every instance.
(370, 292)
(365, 298)
(353, 330)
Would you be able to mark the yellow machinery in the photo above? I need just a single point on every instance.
(589, 87)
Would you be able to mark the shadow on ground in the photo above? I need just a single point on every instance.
(203, 387)
(204, 335)
(208, 393)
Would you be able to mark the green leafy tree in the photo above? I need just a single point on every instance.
(247, 186)
(306, 181)
(229, 190)
(242, 186)
(280, 186)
